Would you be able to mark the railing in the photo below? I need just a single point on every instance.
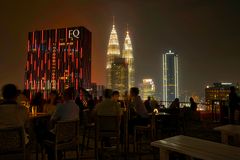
(200, 106)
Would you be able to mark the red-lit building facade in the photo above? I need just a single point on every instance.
(58, 59)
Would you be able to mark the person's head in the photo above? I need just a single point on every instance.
(26, 93)
(232, 89)
(68, 94)
(9, 92)
(100, 98)
(191, 100)
(90, 97)
(176, 100)
(149, 98)
(126, 93)
(53, 96)
(107, 93)
(134, 91)
(38, 95)
(115, 96)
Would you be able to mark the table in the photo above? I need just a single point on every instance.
(197, 148)
(160, 114)
(229, 130)
(39, 115)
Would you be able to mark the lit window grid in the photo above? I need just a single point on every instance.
(38, 72)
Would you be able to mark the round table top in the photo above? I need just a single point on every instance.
(39, 114)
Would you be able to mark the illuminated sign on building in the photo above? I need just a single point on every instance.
(73, 33)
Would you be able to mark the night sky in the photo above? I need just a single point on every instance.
(204, 33)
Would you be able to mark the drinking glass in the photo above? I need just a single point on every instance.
(34, 110)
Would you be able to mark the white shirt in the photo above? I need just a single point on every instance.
(66, 111)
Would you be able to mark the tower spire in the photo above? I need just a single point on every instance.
(113, 20)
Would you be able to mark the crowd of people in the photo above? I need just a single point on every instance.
(16, 105)
(61, 107)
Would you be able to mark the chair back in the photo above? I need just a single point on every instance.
(108, 125)
(67, 131)
(12, 143)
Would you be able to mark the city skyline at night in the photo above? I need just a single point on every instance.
(204, 33)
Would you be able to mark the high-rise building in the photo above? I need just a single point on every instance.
(119, 75)
(217, 92)
(112, 53)
(170, 77)
(97, 90)
(58, 59)
(128, 55)
(147, 88)
(115, 59)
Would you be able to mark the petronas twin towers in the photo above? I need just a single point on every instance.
(120, 66)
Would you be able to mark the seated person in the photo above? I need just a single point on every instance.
(66, 111)
(174, 108)
(50, 106)
(138, 111)
(38, 101)
(108, 107)
(115, 96)
(193, 105)
(147, 104)
(11, 113)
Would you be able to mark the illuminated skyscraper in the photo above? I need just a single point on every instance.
(217, 92)
(170, 77)
(147, 88)
(119, 75)
(113, 60)
(128, 55)
(112, 53)
(58, 59)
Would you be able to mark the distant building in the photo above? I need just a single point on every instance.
(128, 55)
(58, 59)
(100, 90)
(147, 88)
(113, 52)
(97, 90)
(119, 75)
(217, 92)
(116, 59)
(170, 77)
